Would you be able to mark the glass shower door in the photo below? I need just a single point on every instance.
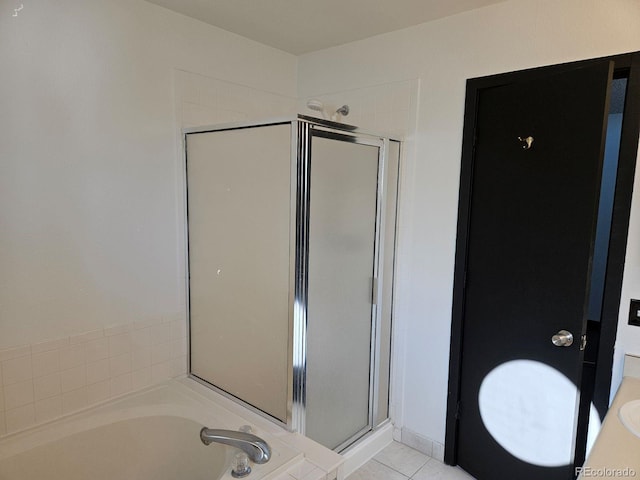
(341, 272)
(239, 207)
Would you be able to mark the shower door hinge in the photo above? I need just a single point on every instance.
(374, 290)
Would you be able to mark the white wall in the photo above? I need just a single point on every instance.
(92, 99)
(442, 54)
(89, 169)
(628, 338)
(92, 95)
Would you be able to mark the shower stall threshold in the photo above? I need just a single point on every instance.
(366, 448)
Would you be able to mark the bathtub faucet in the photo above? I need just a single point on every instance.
(257, 449)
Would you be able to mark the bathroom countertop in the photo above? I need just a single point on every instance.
(616, 452)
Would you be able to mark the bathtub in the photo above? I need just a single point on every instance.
(148, 435)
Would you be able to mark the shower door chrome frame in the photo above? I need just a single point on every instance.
(308, 128)
(303, 128)
(301, 145)
(289, 424)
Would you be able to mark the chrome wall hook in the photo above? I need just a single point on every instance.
(527, 142)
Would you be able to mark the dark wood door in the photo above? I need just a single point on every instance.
(533, 213)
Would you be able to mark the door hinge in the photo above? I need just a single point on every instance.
(583, 342)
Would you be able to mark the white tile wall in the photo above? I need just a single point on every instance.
(14, 352)
(97, 350)
(388, 109)
(97, 371)
(20, 418)
(122, 384)
(74, 400)
(16, 370)
(45, 387)
(18, 394)
(99, 392)
(202, 100)
(43, 381)
(45, 363)
(48, 409)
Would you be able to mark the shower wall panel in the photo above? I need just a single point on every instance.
(238, 189)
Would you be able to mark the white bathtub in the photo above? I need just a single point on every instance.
(149, 435)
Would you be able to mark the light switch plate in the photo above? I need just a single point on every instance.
(634, 313)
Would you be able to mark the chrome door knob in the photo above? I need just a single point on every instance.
(562, 339)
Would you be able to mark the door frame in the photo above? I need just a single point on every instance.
(629, 64)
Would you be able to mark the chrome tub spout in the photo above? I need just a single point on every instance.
(257, 449)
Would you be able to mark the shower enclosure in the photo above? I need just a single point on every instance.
(291, 241)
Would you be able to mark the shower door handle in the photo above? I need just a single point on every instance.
(374, 290)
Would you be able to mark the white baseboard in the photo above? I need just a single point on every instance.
(423, 444)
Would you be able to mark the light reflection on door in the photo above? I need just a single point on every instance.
(523, 405)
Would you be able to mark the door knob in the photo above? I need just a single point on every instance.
(562, 339)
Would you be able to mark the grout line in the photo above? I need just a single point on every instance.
(419, 468)
(390, 467)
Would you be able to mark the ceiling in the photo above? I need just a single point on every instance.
(302, 26)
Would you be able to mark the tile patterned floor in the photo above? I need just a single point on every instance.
(399, 462)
